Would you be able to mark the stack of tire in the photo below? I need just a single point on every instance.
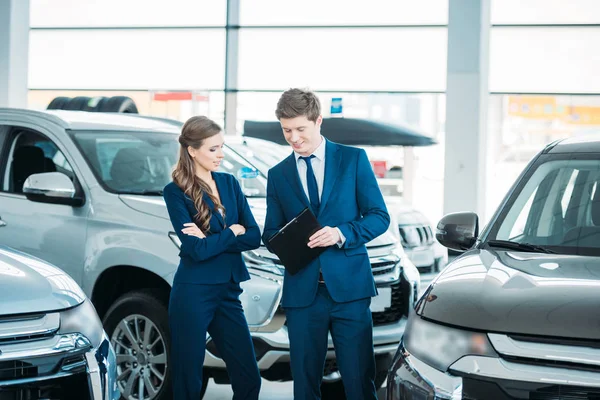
(115, 104)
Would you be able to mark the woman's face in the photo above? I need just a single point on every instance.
(210, 154)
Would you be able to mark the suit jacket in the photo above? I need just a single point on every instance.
(351, 200)
(217, 258)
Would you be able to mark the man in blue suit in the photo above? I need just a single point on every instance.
(333, 293)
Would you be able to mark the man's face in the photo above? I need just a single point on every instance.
(303, 135)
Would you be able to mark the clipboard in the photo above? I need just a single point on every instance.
(290, 243)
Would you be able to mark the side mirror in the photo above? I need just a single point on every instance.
(51, 187)
(458, 231)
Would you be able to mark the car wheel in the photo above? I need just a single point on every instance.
(95, 103)
(439, 264)
(58, 103)
(119, 104)
(77, 103)
(138, 327)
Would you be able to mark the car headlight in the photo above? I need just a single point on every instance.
(84, 320)
(176, 241)
(263, 259)
(441, 346)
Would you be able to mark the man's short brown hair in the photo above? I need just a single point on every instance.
(296, 103)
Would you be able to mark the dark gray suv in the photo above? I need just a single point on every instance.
(516, 316)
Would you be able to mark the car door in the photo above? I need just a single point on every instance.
(52, 232)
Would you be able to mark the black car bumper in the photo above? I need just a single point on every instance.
(483, 378)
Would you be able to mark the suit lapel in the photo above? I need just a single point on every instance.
(291, 173)
(332, 168)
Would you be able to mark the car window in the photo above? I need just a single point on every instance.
(129, 162)
(558, 206)
(142, 162)
(32, 153)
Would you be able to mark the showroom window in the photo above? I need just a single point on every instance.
(543, 79)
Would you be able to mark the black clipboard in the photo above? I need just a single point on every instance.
(291, 242)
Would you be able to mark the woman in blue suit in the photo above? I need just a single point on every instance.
(212, 219)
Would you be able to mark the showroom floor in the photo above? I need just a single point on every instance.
(279, 390)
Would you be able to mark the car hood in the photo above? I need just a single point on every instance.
(30, 285)
(518, 293)
(155, 205)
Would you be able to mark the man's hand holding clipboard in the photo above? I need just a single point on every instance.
(291, 242)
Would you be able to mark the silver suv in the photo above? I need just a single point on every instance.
(52, 345)
(83, 190)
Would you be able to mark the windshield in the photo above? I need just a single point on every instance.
(141, 162)
(557, 206)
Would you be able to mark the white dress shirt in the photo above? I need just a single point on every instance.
(318, 165)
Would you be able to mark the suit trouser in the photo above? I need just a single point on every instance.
(351, 328)
(216, 309)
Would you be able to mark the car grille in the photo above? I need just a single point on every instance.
(16, 370)
(17, 329)
(67, 388)
(476, 389)
(556, 358)
(415, 235)
(401, 299)
(382, 268)
(27, 342)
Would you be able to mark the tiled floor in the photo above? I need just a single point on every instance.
(269, 391)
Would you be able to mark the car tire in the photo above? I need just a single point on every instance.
(119, 104)
(436, 265)
(144, 310)
(58, 103)
(95, 103)
(77, 103)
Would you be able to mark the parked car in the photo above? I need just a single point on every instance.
(52, 344)
(515, 316)
(83, 190)
(417, 238)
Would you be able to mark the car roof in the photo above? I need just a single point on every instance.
(589, 143)
(82, 120)
(93, 121)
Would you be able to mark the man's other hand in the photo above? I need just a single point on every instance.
(324, 237)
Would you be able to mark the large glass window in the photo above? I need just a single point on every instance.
(545, 60)
(128, 13)
(127, 59)
(520, 126)
(177, 105)
(519, 12)
(381, 59)
(343, 12)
